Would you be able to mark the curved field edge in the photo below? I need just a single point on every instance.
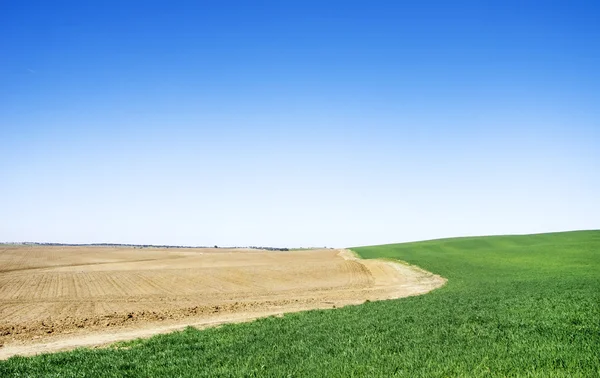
(388, 280)
(512, 306)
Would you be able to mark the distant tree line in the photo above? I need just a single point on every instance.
(136, 245)
(270, 248)
(105, 245)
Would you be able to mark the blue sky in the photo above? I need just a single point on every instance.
(297, 123)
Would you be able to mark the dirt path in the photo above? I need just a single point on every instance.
(61, 298)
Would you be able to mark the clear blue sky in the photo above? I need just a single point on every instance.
(297, 123)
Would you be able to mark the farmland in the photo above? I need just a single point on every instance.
(54, 298)
(512, 306)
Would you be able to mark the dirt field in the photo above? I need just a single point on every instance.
(55, 298)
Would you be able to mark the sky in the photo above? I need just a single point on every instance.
(297, 123)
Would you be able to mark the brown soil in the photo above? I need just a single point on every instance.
(56, 298)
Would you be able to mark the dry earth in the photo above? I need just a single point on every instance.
(56, 298)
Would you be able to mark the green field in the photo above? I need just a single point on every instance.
(513, 306)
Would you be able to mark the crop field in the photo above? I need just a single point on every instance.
(54, 298)
(512, 306)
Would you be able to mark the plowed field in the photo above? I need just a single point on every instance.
(52, 294)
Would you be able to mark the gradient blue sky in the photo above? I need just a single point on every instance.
(305, 123)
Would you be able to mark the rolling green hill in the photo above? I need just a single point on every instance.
(513, 306)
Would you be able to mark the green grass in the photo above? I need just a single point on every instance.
(513, 306)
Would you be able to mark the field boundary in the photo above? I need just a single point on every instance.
(390, 279)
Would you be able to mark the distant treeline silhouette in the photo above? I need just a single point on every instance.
(135, 245)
